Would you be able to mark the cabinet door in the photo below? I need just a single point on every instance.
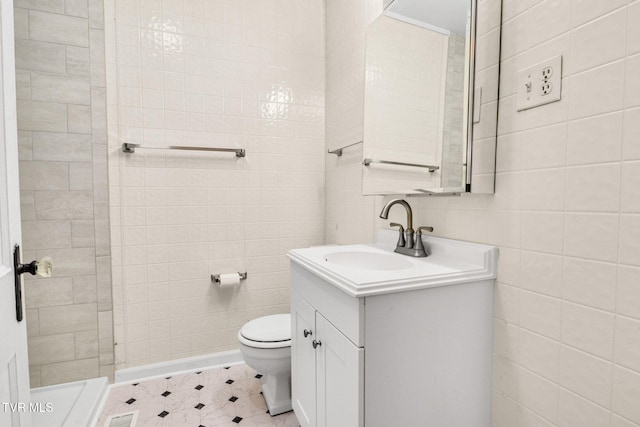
(340, 378)
(303, 361)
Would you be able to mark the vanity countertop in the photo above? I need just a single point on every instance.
(362, 270)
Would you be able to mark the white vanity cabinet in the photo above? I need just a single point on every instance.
(412, 351)
(327, 370)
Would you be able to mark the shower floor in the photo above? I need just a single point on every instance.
(226, 397)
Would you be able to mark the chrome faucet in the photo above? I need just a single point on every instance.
(406, 244)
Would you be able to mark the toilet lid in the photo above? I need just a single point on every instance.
(274, 328)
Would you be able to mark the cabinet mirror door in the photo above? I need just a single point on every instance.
(431, 91)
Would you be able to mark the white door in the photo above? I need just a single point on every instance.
(14, 366)
(340, 376)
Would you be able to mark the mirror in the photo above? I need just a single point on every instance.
(425, 130)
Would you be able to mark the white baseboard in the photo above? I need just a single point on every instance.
(179, 366)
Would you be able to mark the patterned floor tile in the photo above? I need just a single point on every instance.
(223, 397)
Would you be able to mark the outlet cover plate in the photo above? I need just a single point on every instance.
(540, 84)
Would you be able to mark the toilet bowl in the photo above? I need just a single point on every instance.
(265, 344)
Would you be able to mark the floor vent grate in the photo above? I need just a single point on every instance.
(127, 419)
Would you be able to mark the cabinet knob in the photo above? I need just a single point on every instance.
(307, 332)
(316, 343)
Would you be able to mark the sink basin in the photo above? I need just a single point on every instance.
(368, 260)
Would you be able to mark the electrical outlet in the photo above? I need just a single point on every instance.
(546, 88)
(540, 84)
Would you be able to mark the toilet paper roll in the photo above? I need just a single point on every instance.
(229, 279)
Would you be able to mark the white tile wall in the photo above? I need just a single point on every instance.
(244, 74)
(564, 214)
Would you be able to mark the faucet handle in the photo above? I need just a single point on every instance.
(401, 240)
(419, 246)
(419, 230)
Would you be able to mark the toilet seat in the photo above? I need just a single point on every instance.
(267, 332)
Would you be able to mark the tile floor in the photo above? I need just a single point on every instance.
(225, 397)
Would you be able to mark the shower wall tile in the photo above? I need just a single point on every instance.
(62, 126)
(69, 371)
(182, 74)
(564, 214)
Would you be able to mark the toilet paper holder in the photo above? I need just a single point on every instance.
(216, 277)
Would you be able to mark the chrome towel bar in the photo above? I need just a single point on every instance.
(338, 151)
(431, 168)
(128, 147)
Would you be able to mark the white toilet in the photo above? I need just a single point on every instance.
(265, 344)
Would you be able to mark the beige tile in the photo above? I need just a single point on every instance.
(628, 301)
(632, 87)
(79, 117)
(75, 370)
(23, 85)
(55, 6)
(25, 145)
(594, 188)
(48, 292)
(50, 349)
(590, 283)
(543, 190)
(58, 28)
(590, 48)
(575, 410)
(618, 421)
(633, 32)
(40, 56)
(586, 375)
(542, 232)
(542, 273)
(630, 187)
(60, 88)
(46, 234)
(70, 318)
(82, 234)
(76, 8)
(84, 289)
(105, 299)
(77, 60)
(43, 116)
(27, 206)
(86, 344)
(584, 11)
(538, 24)
(33, 322)
(80, 176)
(506, 376)
(97, 43)
(626, 393)
(631, 134)
(538, 394)
(588, 329)
(596, 139)
(96, 14)
(56, 146)
(592, 236)
(606, 84)
(630, 239)
(34, 376)
(627, 343)
(539, 354)
(64, 205)
(505, 339)
(540, 314)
